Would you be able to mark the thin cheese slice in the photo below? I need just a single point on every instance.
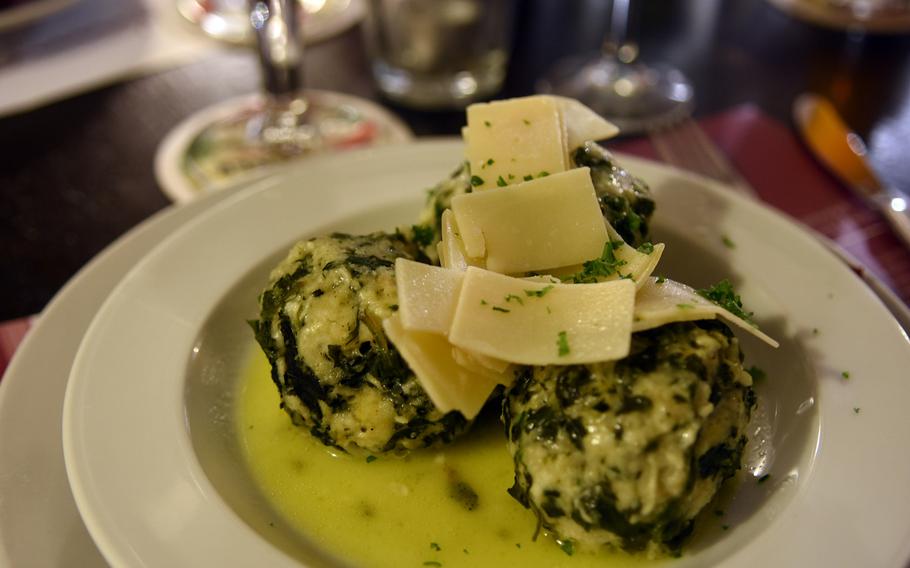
(583, 124)
(635, 264)
(507, 141)
(427, 295)
(665, 301)
(451, 248)
(449, 385)
(541, 224)
(532, 323)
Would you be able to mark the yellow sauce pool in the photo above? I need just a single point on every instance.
(396, 512)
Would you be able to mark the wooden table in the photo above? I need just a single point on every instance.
(77, 174)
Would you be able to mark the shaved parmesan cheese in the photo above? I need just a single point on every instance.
(451, 248)
(658, 304)
(427, 295)
(633, 264)
(449, 385)
(541, 224)
(506, 141)
(583, 124)
(532, 323)
(482, 363)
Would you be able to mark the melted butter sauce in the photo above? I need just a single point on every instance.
(447, 506)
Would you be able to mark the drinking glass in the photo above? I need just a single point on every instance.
(241, 138)
(633, 95)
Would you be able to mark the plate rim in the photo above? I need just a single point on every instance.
(241, 196)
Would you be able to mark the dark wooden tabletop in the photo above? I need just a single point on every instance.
(77, 174)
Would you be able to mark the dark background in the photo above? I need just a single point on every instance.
(78, 173)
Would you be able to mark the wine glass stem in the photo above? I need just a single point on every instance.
(276, 24)
(620, 42)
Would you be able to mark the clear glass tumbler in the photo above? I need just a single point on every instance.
(440, 53)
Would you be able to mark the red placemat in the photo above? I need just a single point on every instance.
(770, 156)
(773, 160)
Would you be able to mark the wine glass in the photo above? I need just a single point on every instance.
(228, 20)
(631, 94)
(242, 138)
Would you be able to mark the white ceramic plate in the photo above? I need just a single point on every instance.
(151, 453)
(40, 526)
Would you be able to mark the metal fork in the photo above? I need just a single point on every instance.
(687, 147)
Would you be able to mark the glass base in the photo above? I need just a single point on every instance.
(634, 96)
(245, 138)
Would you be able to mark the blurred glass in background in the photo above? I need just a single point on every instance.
(439, 54)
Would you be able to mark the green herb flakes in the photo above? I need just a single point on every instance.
(528, 177)
(501, 182)
(723, 295)
(487, 123)
(661, 279)
(435, 546)
(856, 410)
(490, 162)
(476, 180)
(601, 267)
(526, 121)
(483, 302)
(503, 310)
(646, 248)
(845, 375)
(562, 344)
(567, 546)
(371, 459)
(539, 293)
(685, 306)
(513, 297)
(432, 563)
(543, 174)
(727, 242)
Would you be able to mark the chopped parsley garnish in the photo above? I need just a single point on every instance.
(503, 310)
(604, 266)
(567, 547)
(845, 374)
(646, 248)
(371, 459)
(423, 234)
(764, 478)
(514, 297)
(483, 302)
(490, 162)
(814, 331)
(511, 176)
(501, 182)
(661, 279)
(723, 295)
(435, 546)
(476, 180)
(526, 121)
(685, 306)
(727, 242)
(528, 177)
(487, 123)
(539, 293)
(543, 174)
(856, 410)
(758, 375)
(562, 344)
(432, 563)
